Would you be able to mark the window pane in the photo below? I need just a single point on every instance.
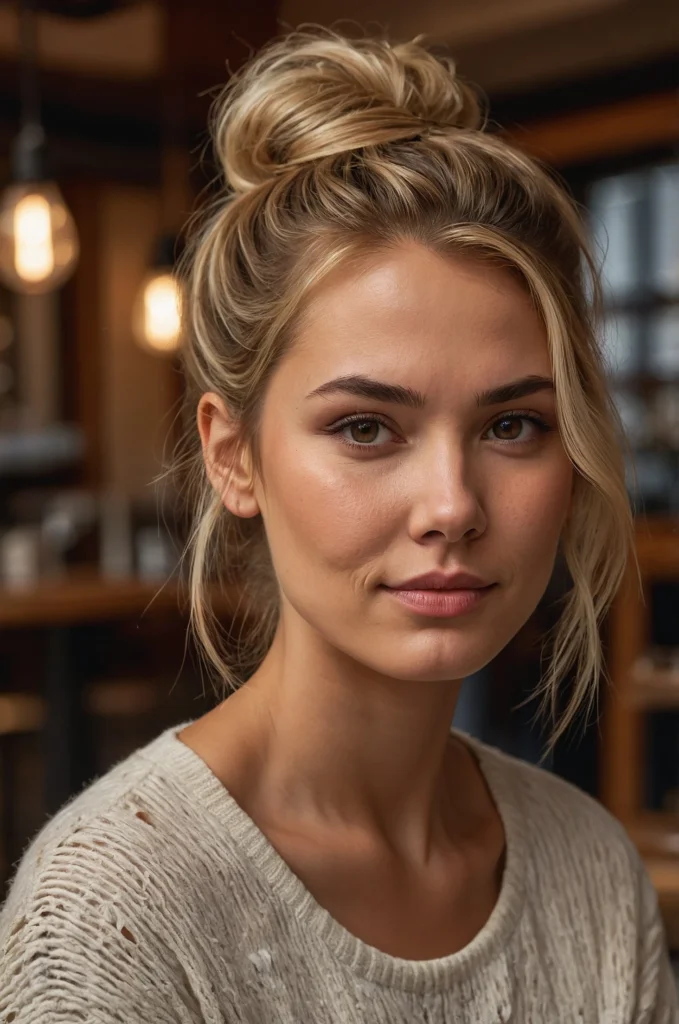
(633, 413)
(614, 215)
(651, 481)
(620, 344)
(663, 343)
(664, 182)
(664, 417)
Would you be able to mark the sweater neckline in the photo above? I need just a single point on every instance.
(372, 964)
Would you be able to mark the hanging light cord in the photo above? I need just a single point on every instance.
(30, 90)
(28, 156)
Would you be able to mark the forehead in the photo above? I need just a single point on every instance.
(415, 313)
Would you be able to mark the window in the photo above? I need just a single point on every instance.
(634, 221)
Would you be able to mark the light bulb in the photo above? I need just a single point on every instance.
(157, 314)
(38, 238)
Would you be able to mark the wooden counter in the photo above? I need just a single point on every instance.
(87, 597)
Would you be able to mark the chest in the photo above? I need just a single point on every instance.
(413, 917)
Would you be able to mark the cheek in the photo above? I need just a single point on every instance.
(331, 518)
(534, 515)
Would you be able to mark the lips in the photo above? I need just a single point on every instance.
(438, 580)
(440, 604)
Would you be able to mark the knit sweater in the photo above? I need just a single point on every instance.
(153, 898)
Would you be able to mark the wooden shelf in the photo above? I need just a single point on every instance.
(664, 873)
(657, 543)
(656, 834)
(87, 597)
(601, 131)
(632, 695)
(652, 688)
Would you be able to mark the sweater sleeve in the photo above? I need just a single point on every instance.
(658, 1000)
(58, 973)
(81, 945)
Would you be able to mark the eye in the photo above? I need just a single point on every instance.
(510, 422)
(363, 431)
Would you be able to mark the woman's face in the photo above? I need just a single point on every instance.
(359, 494)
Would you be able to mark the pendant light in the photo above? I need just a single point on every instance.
(156, 316)
(38, 238)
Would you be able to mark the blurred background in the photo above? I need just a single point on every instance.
(103, 108)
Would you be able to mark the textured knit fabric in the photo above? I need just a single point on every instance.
(153, 897)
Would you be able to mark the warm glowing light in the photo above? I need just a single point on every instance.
(161, 312)
(38, 239)
(159, 316)
(33, 249)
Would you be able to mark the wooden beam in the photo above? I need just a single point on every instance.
(603, 131)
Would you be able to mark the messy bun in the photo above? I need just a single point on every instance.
(334, 149)
(312, 96)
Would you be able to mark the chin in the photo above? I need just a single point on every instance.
(430, 665)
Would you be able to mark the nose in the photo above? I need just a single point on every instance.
(447, 502)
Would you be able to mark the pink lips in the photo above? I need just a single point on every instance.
(442, 594)
(439, 580)
(441, 602)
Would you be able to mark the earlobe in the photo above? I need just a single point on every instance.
(227, 461)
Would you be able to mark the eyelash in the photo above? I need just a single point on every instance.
(538, 421)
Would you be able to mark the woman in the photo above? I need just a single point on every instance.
(401, 414)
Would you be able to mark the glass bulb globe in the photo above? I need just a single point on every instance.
(38, 238)
(157, 314)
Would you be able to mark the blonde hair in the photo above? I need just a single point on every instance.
(335, 149)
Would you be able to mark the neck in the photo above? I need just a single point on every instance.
(334, 747)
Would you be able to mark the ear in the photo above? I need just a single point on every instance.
(227, 461)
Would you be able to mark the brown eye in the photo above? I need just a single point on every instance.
(511, 429)
(510, 426)
(364, 430)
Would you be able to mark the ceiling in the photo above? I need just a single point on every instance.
(503, 45)
(123, 44)
(506, 45)
(456, 22)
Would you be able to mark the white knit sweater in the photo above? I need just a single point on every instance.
(153, 897)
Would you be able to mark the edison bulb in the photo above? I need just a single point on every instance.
(38, 239)
(157, 314)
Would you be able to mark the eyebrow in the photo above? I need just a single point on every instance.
(368, 387)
